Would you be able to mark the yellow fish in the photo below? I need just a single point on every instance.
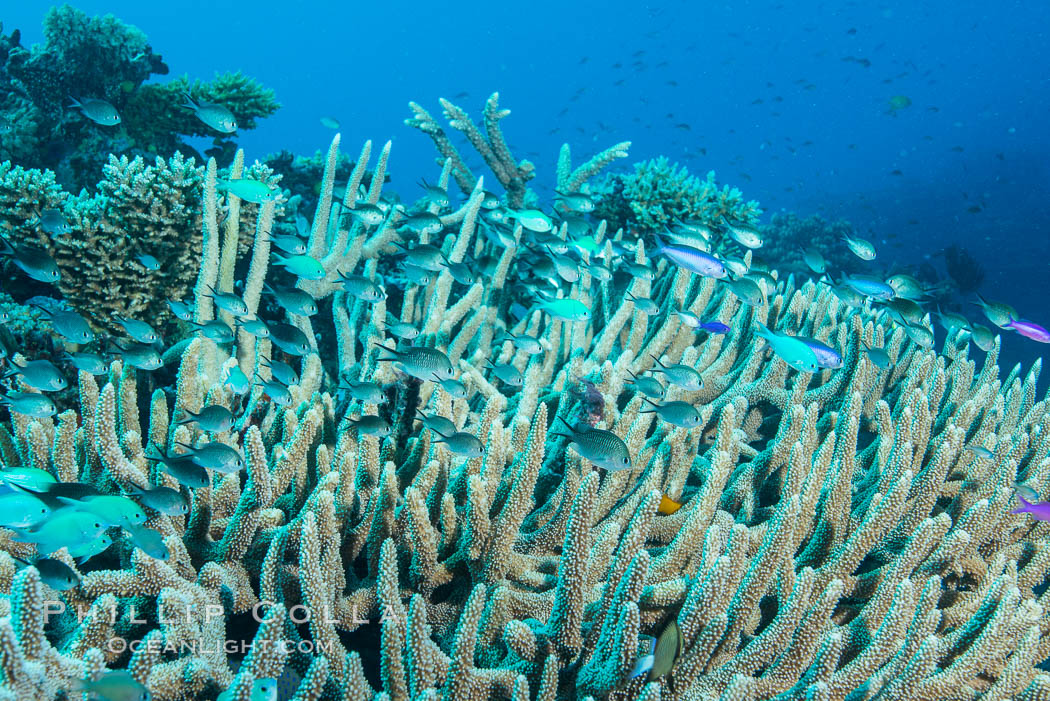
(668, 505)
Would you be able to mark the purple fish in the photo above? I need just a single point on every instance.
(1040, 510)
(827, 357)
(692, 259)
(1029, 329)
(714, 327)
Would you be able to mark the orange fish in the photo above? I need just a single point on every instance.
(667, 505)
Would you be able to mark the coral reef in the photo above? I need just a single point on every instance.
(963, 268)
(493, 149)
(836, 538)
(788, 234)
(658, 191)
(103, 58)
(137, 209)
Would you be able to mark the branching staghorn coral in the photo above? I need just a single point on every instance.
(492, 147)
(835, 538)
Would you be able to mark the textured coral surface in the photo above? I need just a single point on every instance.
(838, 535)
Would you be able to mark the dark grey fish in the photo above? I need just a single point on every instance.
(282, 372)
(166, 500)
(39, 374)
(369, 425)
(214, 417)
(603, 448)
(420, 362)
(289, 339)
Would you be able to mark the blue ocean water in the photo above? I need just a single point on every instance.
(787, 101)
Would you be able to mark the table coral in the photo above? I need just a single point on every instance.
(658, 191)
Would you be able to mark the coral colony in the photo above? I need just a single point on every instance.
(481, 446)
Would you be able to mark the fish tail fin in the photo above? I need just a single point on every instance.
(657, 360)
(393, 353)
(651, 409)
(189, 104)
(660, 245)
(559, 417)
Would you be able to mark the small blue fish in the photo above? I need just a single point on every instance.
(54, 222)
(869, 286)
(255, 327)
(54, 573)
(39, 374)
(236, 380)
(791, 350)
(227, 301)
(692, 259)
(878, 357)
(289, 338)
(98, 111)
(215, 456)
(370, 425)
(29, 404)
(282, 372)
(138, 330)
(116, 685)
(462, 443)
(454, 387)
(22, 510)
(827, 357)
(276, 391)
(166, 500)
(648, 386)
(680, 375)
(181, 467)
(217, 330)
(294, 300)
(68, 324)
(37, 264)
(32, 478)
(180, 309)
(140, 355)
(506, 373)
(419, 361)
(290, 244)
(301, 266)
(603, 448)
(149, 541)
(214, 417)
(148, 262)
(85, 551)
(368, 392)
(436, 423)
(216, 116)
(715, 327)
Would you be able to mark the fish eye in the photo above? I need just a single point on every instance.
(626, 461)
